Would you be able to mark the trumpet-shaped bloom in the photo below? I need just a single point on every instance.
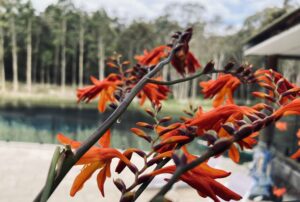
(220, 89)
(104, 89)
(296, 155)
(292, 108)
(97, 158)
(202, 178)
(154, 56)
(281, 125)
(155, 93)
(282, 84)
(183, 61)
(214, 119)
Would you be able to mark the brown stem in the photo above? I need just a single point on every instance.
(91, 140)
(168, 83)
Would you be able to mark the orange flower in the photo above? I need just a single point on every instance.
(105, 89)
(96, 158)
(281, 125)
(154, 56)
(296, 154)
(183, 59)
(155, 93)
(202, 178)
(292, 108)
(279, 192)
(220, 89)
(282, 84)
(214, 119)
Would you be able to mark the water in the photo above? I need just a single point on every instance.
(41, 124)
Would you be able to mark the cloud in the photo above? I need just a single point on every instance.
(232, 12)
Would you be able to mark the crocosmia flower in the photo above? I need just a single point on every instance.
(221, 89)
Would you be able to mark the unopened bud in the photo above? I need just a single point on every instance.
(229, 66)
(244, 132)
(127, 197)
(209, 67)
(165, 119)
(222, 145)
(229, 128)
(120, 185)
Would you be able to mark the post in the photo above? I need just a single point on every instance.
(267, 136)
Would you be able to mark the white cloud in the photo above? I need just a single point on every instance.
(233, 12)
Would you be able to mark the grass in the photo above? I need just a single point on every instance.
(52, 96)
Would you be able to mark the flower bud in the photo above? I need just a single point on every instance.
(209, 67)
(165, 119)
(229, 128)
(244, 132)
(120, 184)
(240, 70)
(229, 66)
(221, 145)
(257, 125)
(127, 197)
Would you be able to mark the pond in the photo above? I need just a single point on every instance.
(41, 124)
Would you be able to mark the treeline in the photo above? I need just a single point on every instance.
(64, 45)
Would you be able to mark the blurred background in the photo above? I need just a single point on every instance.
(45, 45)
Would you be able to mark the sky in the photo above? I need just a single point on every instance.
(233, 12)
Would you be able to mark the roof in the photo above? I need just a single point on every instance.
(281, 37)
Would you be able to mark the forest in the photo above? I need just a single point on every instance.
(63, 45)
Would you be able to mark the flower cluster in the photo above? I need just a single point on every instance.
(226, 127)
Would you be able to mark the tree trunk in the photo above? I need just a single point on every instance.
(81, 52)
(2, 67)
(35, 59)
(74, 58)
(56, 61)
(14, 54)
(48, 81)
(194, 88)
(101, 56)
(29, 56)
(42, 74)
(63, 56)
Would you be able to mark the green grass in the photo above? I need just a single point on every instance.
(52, 96)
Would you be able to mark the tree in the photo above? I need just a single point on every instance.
(12, 9)
(2, 65)
(27, 13)
(81, 48)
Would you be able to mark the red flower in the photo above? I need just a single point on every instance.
(281, 125)
(292, 108)
(214, 119)
(220, 89)
(96, 158)
(202, 178)
(267, 79)
(155, 93)
(154, 56)
(104, 89)
(296, 155)
(183, 60)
